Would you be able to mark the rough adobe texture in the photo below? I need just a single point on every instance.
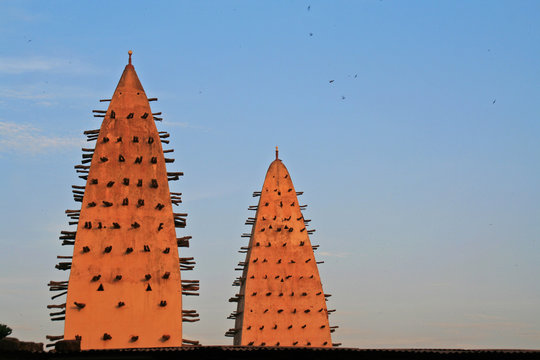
(118, 294)
(281, 300)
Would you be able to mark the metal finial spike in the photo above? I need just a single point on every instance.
(130, 53)
(277, 153)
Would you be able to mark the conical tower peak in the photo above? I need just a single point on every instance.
(281, 301)
(125, 286)
(129, 82)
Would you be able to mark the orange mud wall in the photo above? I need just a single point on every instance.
(281, 301)
(124, 287)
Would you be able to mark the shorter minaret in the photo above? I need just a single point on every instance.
(281, 301)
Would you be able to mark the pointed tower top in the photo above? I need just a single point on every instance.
(129, 82)
(277, 153)
(281, 300)
(147, 286)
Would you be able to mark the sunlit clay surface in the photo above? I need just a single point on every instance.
(281, 301)
(124, 288)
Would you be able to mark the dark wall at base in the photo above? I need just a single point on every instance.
(268, 353)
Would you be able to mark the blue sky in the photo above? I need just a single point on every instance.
(419, 162)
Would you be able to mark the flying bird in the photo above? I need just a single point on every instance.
(309, 7)
(331, 81)
(494, 101)
(310, 34)
(343, 98)
(355, 76)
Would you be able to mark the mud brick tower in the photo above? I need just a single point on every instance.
(125, 288)
(281, 301)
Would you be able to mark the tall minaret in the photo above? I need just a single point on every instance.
(281, 301)
(125, 289)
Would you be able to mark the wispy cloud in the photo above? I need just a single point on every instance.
(405, 342)
(27, 93)
(493, 325)
(439, 284)
(11, 280)
(20, 65)
(334, 254)
(185, 125)
(484, 317)
(177, 124)
(40, 94)
(15, 12)
(25, 327)
(25, 138)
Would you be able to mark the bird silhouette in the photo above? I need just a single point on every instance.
(331, 81)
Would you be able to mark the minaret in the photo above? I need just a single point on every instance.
(281, 301)
(125, 288)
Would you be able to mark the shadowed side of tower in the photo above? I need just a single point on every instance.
(125, 288)
(281, 301)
